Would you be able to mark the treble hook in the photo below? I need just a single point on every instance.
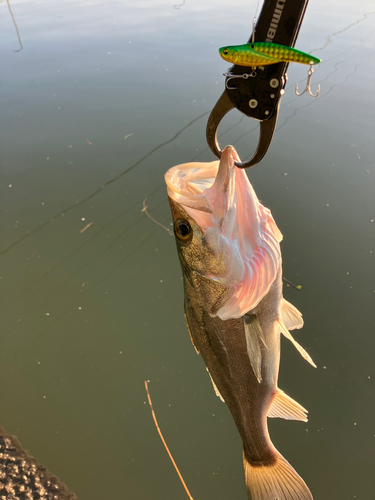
(245, 76)
(308, 88)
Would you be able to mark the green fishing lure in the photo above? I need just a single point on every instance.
(264, 53)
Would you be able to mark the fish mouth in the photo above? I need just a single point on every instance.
(204, 187)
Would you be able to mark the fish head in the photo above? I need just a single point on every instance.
(198, 249)
(202, 211)
(229, 54)
(226, 240)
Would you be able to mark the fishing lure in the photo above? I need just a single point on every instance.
(264, 53)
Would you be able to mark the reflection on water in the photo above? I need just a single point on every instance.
(178, 6)
(107, 183)
(15, 25)
(101, 101)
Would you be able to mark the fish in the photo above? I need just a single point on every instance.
(264, 53)
(229, 249)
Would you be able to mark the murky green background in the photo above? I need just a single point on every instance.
(102, 99)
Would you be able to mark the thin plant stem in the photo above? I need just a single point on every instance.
(164, 443)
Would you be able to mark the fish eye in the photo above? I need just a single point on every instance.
(225, 52)
(182, 229)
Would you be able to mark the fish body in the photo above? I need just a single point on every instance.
(229, 249)
(264, 53)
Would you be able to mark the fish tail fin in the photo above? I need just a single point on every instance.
(277, 481)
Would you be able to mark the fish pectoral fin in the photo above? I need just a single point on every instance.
(217, 392)
(291, 316)
(253, 335)
(283, 406)
(266, 58)
(299, 348)
(191, 336)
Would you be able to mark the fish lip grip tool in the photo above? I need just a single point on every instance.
(257, 93)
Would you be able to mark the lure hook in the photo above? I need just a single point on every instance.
(308, 88)
(231, 76)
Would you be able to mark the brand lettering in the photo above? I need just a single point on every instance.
(275, 20)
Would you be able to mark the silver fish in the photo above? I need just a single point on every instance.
(229, 249)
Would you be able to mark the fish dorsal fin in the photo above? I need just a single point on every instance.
(299, 348)
(291, 316)
(212, 294)
(253, 335)
(283, 406)
(217, 392)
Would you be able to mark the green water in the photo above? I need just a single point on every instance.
(100, 101)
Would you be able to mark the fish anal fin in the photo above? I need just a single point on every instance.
(283, 406)
(291, 316)
(277, 480)
(191, 336)
(253, 335)
(299, 348)
(217, 392)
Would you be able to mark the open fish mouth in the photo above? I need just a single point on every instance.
(223, 203)
(188, 183)
(206, 187)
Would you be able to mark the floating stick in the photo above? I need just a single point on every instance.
(164, 443)
(297, 287)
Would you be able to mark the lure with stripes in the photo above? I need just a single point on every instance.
(264, 53)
